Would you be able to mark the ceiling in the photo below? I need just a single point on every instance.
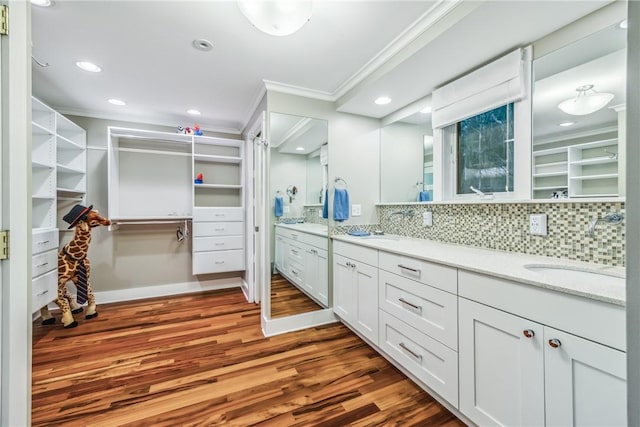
(350, 52)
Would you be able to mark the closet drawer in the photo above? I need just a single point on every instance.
(431, 362)
(218, 214)
(44, 290)
(46, 261)
(217, 243)
(429, 310)
(44, 240)
(436, 275)
(356, 252)
(204, 229)
(218, 261)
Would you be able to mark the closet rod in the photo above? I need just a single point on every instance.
(142, 150)
(174, 221)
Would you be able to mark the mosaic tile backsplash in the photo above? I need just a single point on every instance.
(505, 227)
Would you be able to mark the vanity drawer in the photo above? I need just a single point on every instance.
(290, 234)
(204, 229)
(46, 261)
(436, 275)
(296, 272)
(217, 243)
(296, 252)
(356, 252)
(429, 310)
(218, 214)
(218, 261)
(431, 362)
(316, 241)
(42, 241)
(44, 289)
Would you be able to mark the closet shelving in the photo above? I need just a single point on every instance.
(588, 169)
(219, 160)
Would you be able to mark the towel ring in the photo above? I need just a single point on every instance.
(338, 180)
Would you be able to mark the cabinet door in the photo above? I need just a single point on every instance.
(366, 278)
(311, 271)
(585, 382)
(344, 288)
(322, 276)
(281, 253)
(501, 369)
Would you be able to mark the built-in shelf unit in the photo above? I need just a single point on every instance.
(583, 170)
(58, 176)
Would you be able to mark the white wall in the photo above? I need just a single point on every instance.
(314, 180)
(133, 256)
(401, 161)
(288, 170)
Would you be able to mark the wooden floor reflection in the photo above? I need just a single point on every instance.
(287, 299)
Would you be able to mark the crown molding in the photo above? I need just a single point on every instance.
(143, 119)
(260, 93)
(299, 91)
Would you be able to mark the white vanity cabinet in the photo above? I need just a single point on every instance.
(302, 258)
(522, 361)
(355, 288)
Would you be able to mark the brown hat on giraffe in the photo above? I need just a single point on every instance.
(76, 214)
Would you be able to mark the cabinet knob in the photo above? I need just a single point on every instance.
(528, 333)
(555, 343)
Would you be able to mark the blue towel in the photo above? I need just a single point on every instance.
(279, 206)
(340, 204)
(424, 196)
(325, 206)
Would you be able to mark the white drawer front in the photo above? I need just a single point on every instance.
(41, 263)
(222, 243)
(218, 261)
(296, 273)
(434, 364)
(296, 252)
(356, 252)
(436, 275)
(317, 241)
(218, 214)
(429, 310)
(44, 289)
(44, 241)
(204, 229)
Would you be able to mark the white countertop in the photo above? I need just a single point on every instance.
(510, 266)
(307, 227)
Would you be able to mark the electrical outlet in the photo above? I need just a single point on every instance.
(538, 224)
(427, 219)
(285, 209)
(356, 210)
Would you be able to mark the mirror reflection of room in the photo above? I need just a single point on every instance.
(406, 159)
(298, 191)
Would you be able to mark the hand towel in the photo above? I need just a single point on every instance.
(340, 204)
(325, 206)
(424, 196)
(279, 206)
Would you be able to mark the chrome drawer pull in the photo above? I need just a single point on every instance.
(555, 343)
(43, 243)
(219, 244)
(42, 293)
(219, 262)
(219, 229)
(411, 352)
(404, 301)
(42, 265)
(294, 272)
(294, 252)
(414, 270)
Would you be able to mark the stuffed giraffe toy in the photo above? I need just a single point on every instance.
(73, 265)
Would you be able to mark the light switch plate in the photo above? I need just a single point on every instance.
(427, 219)
(285, 209)
(356, 210)
(538, 224)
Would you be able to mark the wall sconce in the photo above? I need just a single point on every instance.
(276, 17)
(585, 102)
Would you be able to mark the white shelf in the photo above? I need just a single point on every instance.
(66, 144)
(127, 133)
(551, 187)
(230, 186)
(550, 164)
(38, 129)
(66, 169)
(42, 197)
(585, 196)
(594, 161)
(216, 159)
(547, 174)
(209, 140)
(40, 165)
(549, 151)
(69, 192)
(592, 177)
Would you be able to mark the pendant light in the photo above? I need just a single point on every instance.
(586, 102)
(276, 17)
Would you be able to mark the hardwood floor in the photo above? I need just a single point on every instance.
(201, 360)
(287, 299)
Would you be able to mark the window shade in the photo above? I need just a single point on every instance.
(495, 84)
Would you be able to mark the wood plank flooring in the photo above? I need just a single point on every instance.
(287, 299)
(201, 360)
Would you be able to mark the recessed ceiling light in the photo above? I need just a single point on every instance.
(299, 148)
(117, 102)
(202, 44)
(383, 100)
(88, 66)
(624, 24)
(42, 3)
(565, 124)
(193, 112)
(426, 110)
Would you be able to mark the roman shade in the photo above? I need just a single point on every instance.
(489, 87)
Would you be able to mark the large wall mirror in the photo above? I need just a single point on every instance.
(298, 173)
(406, 159)
(579, 118)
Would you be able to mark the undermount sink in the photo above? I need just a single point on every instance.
(570, 272)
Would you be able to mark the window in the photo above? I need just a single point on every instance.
(485, 152)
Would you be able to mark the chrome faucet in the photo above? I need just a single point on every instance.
(611, 218)
(406, 213)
